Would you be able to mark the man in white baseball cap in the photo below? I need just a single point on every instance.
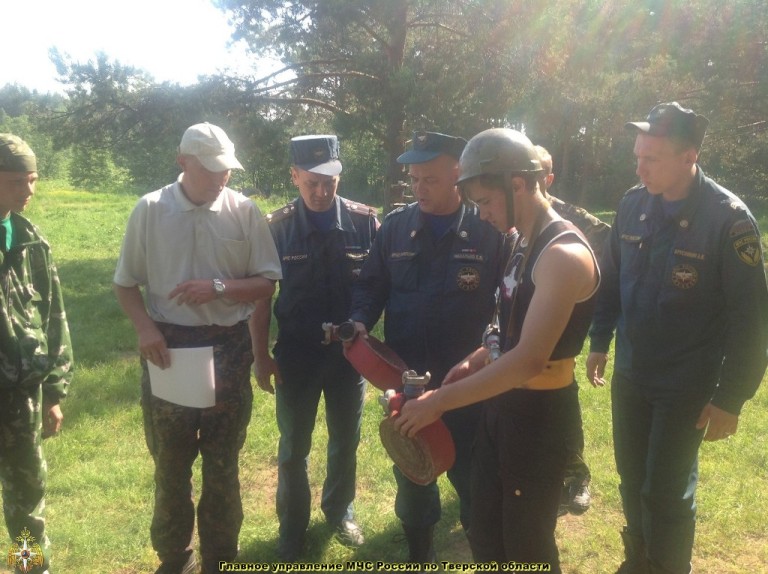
(209, 144)
(203, 255)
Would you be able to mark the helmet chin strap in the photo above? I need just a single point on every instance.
(509, 190)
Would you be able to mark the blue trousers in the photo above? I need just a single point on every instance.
(306, 374)
(419, 506)
(656, 445)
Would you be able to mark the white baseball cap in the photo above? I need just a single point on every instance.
(209, 144)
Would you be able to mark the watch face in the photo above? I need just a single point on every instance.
(218, 286)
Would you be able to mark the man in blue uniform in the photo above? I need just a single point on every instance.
(685, 289)
(323, 240)
(433, 272)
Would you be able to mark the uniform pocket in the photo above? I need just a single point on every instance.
(404, 271)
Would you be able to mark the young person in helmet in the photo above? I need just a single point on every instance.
(530, 399)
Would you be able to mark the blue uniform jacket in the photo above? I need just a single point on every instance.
(687, 294)
(318, 268)
(437, 297)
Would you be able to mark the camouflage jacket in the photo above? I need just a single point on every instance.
(35, 346)
(595, 230)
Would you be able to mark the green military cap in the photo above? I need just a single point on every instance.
(16, 155)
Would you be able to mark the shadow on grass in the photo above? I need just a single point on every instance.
(386, 543)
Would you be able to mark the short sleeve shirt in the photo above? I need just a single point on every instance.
(170, 240)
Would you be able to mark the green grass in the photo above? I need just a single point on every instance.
(100, 474)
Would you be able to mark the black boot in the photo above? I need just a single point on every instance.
(420, 546)
(636, 561)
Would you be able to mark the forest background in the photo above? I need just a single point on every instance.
(570, 73)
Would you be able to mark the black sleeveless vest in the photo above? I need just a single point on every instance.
(516, 304)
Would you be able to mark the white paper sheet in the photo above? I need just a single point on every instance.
(189, 381)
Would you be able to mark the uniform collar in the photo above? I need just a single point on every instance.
(343, 219)
(460, 226)
(25, 235)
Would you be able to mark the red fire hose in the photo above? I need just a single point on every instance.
(428, 454)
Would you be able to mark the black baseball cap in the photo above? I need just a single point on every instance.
(426, 146)
(674, 121)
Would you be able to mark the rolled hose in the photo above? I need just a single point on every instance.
(425, 456)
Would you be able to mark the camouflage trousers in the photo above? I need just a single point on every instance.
(176, 434)
(22, 467)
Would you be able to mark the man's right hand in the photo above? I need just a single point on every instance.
(264, 369)
(153, 347)
(596, 368)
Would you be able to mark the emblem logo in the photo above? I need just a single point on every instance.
(748, 249)
(512, 275)
(684, 276)
(25, 554)
(468, 279)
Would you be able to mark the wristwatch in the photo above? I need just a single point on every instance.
(219, 287)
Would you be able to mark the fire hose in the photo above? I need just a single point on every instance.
(431, 451)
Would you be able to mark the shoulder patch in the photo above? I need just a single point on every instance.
(359, 208)
(748, 250)
(283, 213)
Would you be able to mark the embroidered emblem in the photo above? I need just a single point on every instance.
(684, 276)
(748, 249)
(468, 279)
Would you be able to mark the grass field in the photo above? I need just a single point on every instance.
(100, 474)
